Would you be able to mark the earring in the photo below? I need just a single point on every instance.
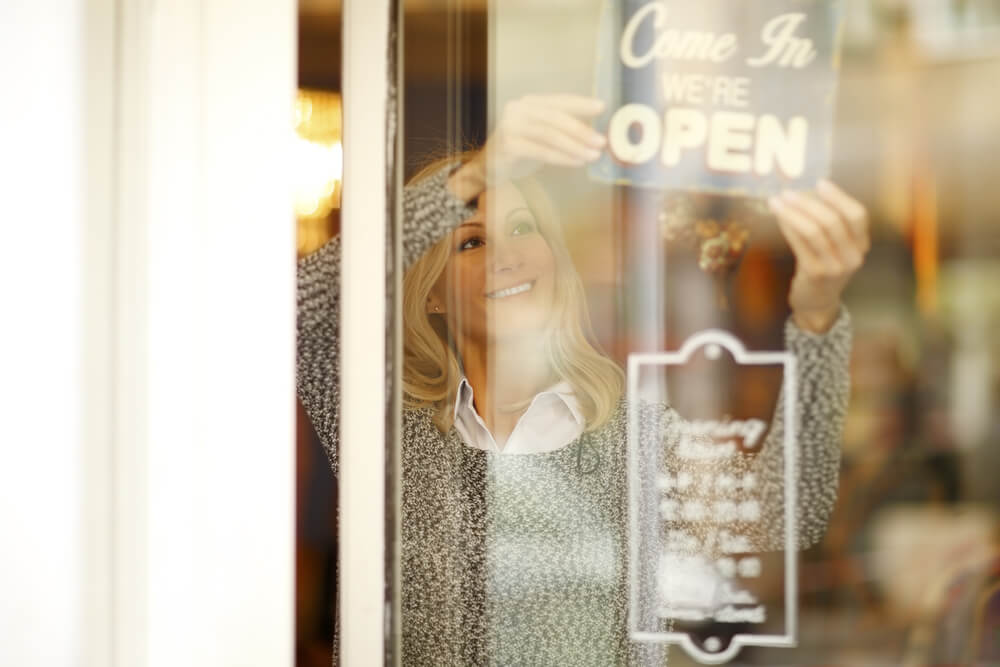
(437, 309)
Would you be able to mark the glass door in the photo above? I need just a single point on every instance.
(694, 307)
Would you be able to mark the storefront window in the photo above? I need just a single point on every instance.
(698, 314)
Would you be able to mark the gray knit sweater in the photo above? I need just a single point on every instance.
(522, 559)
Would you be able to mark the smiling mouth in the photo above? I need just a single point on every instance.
(511, 291)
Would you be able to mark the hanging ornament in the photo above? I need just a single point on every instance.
(717, 229)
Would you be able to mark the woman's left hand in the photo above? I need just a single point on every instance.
(828, 233)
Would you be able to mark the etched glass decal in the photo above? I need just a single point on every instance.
(711, 502)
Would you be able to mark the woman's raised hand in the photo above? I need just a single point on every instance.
(828, 233)
(533, 131)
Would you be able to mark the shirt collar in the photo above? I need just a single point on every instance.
(561, 390)
(463, 396)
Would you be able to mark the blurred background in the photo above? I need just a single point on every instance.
(909, 571)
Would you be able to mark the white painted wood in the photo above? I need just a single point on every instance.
(147, 266)
(362, 428)
(130, 337)
(205, 302)
(168, 277)
(98, 342)
(219, 299)
(44, 491)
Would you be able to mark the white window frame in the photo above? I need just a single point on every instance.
(203, 398)
(161, 530)
(151, 384)
(369, 422)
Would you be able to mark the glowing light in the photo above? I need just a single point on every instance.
(317, 171)
(317, 155)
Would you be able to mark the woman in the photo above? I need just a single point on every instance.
(513, 516)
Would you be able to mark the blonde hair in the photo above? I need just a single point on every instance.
(432, 369)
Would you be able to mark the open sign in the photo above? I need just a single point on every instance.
(719, 96)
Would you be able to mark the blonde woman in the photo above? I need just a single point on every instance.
(514, 484)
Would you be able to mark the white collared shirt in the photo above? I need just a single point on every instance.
(552, 421)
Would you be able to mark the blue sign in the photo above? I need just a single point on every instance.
(733, 96)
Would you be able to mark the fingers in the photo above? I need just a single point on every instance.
(566, 134)
(839, 241)
(559, 143)
(841, 245)
(537, 118)
(577, 105)
(829, 235)
(851, 209)
(549, 129)
(807, 242)
(530, 149)
(567, 124)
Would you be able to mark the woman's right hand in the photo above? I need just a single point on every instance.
(533, 131)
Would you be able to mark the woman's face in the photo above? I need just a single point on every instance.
(499, 282)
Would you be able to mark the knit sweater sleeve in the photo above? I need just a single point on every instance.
(823, 387)
(430, 211)
(820, 405)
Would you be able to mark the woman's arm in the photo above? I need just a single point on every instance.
(822, 388)
(533, 131)
(430, 211)
(317, 367)
(828, 233)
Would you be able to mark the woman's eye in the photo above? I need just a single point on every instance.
(523, 227)
(470, 243)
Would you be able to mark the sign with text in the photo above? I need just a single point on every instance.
(712, 539)
(732, 96)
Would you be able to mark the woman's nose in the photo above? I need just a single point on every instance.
(505, 257)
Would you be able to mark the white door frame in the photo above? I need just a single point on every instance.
(165, 380)
(55, 287)
(204, 513)
(150, 383)
(369, 422)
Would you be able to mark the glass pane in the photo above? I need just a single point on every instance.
(698, 304)
(317, 179)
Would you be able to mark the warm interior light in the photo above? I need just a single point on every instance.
(318, 170)
(317, 165)
(317, 154)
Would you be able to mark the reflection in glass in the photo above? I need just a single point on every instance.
(528, 285)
